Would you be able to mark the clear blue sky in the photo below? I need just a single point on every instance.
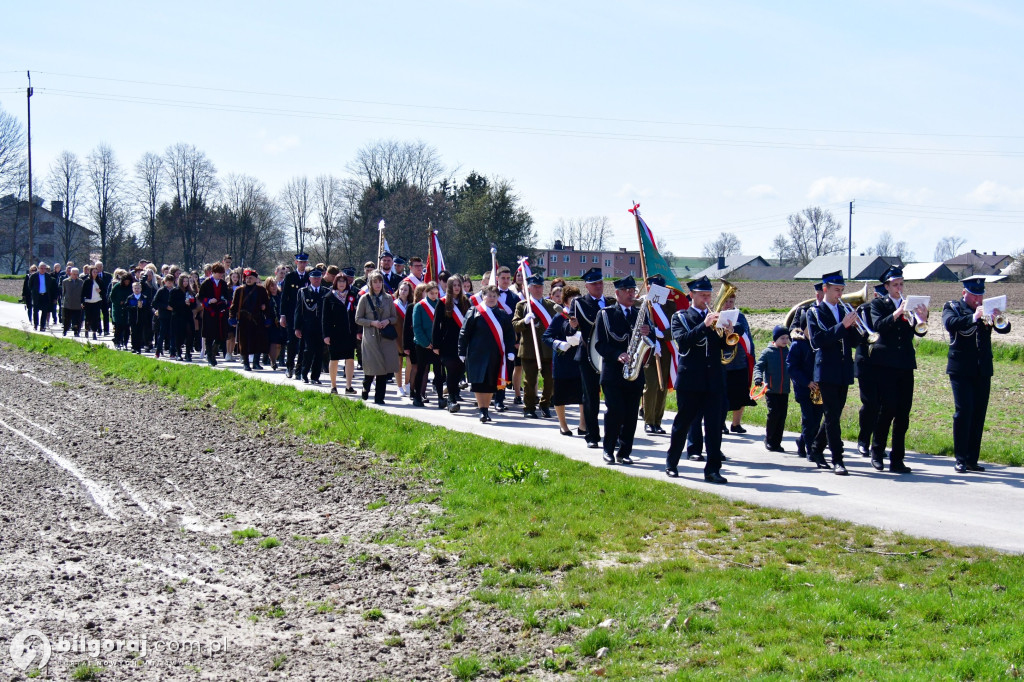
(714, 116)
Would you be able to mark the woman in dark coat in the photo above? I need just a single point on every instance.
(182, 302)
(448, 321)
(562, 336)
(92, 302)
(339, 325)
(250, 315)
(480, 349)
(215, 297)
(275, 333)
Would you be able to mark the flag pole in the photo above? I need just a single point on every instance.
(647, 289)
(380, 241)
(430, 254)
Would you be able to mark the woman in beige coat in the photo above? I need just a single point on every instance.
(375, 313)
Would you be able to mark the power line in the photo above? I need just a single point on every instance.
(896, 206)
(292, 96)
(549, 132)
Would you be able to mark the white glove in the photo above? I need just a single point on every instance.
(657, 351)
(529, 317)
(574, 340)
(659, 334)
(511, 357)
(462, 358)
(563, 345)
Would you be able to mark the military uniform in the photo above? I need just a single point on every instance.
(528, 350)
(308, 319)
(655, 387)
(867, 383)
(293, 282)
(970, 370)
(507, 302)
(585, 310)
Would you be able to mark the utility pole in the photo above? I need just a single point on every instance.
(31, 211)
(849, 246)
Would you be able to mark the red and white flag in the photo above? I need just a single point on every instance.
(435, 261)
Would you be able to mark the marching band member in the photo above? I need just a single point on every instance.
(970, 370)
(800, 363)
(833, 334)
(563, 335)
(586, 308)
(532, 318)
(293, 281)
(614, 328)
(893, 359)
(449, 319)
(309, 327)
(655, 390)
(738, 372)
(701, 383)
(487, 346)
(867, 381)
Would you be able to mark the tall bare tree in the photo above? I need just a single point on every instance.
(949, 247)
(12, 151)
(814, 232)
(65, 182)
(297, 200)
(387, 164)
(250, 220)
(149, 185)
(584, 234)
(781, 249)
(14, 225)
(106, 180)
(328, 196)
(193, 180)
(727, 244)
(889, 247)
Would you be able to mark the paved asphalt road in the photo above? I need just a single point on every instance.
(933, 501)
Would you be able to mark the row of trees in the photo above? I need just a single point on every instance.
(174, 206)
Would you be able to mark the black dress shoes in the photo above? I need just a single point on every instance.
(900, 468)
(593, 445)
(660, 431)
(878, 464)
(716, 478)
(975, 467)
(546, 411)
(695, 458)
(623, 459)
(863, 450)
(737, 428)
(648, 428)
(819, 460)
(671, 472)
(530, 414)
(959, 468)
(580, 432)
(608, 458)
(567, 432)
(840, 470)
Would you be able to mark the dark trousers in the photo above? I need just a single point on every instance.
(41, 312)
(72, 320)
(897, 395)
(810, 423)
(140, 335)
(622, 399)
(121, 335)
(778, 407)
(382, 386)
(164, 330)
(211, 349)
(92, 318)
(591, 381)
(694, 405)
(312, 355)
(426, 361)
(181, 334)
(870, 402)
(454, 371)
(293, 349)
(105, 309)
(970, 402)
(833, 397)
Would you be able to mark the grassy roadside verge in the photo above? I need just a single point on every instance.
(7, 298)
(931, 419)
(697, 587)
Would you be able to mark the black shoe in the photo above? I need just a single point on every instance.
(840, 470)
(593, 445)
(767, 447)
(567, 432)
(716, 478)
(695, 458)
(737, 429)
(366, 395)
(723, 458)
(580, 432)
(899, 468)
(819, 460)
(212, 361)
(609, 458)
(671, 472)
(485, 416)
(273, 366)
(878, 464)
(453, 408)
(416, 402)
(530, 414)
(660, 431)
(288, 373)
(959, 468)
(546, 411)
(316, 382)
(257, 365)
(350, 391)
(863, 450)
(724, 430)
(442, 404)
(975, 467)
(246, 366)
(518, 400)
(623, 459)
(800, 451)
(648, 428)
(378, 401)
(500, 407)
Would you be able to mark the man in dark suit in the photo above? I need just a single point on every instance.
(308, 324)
(833, 334)
(867, 380)
(43, 289)
(701, 382)
(655, 389)
(585, 310)
(893, 361)
(970, 370)
(293, 282)
(392, 278)
(614, 329)
(105, 280)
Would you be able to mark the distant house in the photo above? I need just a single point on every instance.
(686, 267)
(862, 267)
(48, 229)
(928, 272)
(728, 266)
(974, 263)
(565, 261)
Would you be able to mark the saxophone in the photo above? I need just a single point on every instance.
(639, 349)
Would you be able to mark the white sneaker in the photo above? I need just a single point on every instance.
(402, 392)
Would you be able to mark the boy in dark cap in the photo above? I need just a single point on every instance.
(770, 370)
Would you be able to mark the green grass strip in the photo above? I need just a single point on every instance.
(698, 587)
(7, 298)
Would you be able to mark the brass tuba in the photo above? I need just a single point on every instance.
(732, 338)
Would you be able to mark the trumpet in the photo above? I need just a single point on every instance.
(731, 338)
(997, 321)
(871, 336)
(920, 326)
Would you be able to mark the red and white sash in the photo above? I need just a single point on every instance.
(504, 306)
(499, 338)
(664, 325)
(460, 318)
(426, 306)
(400, 307)
(541, 313)
(413, 281)
(475, 299)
